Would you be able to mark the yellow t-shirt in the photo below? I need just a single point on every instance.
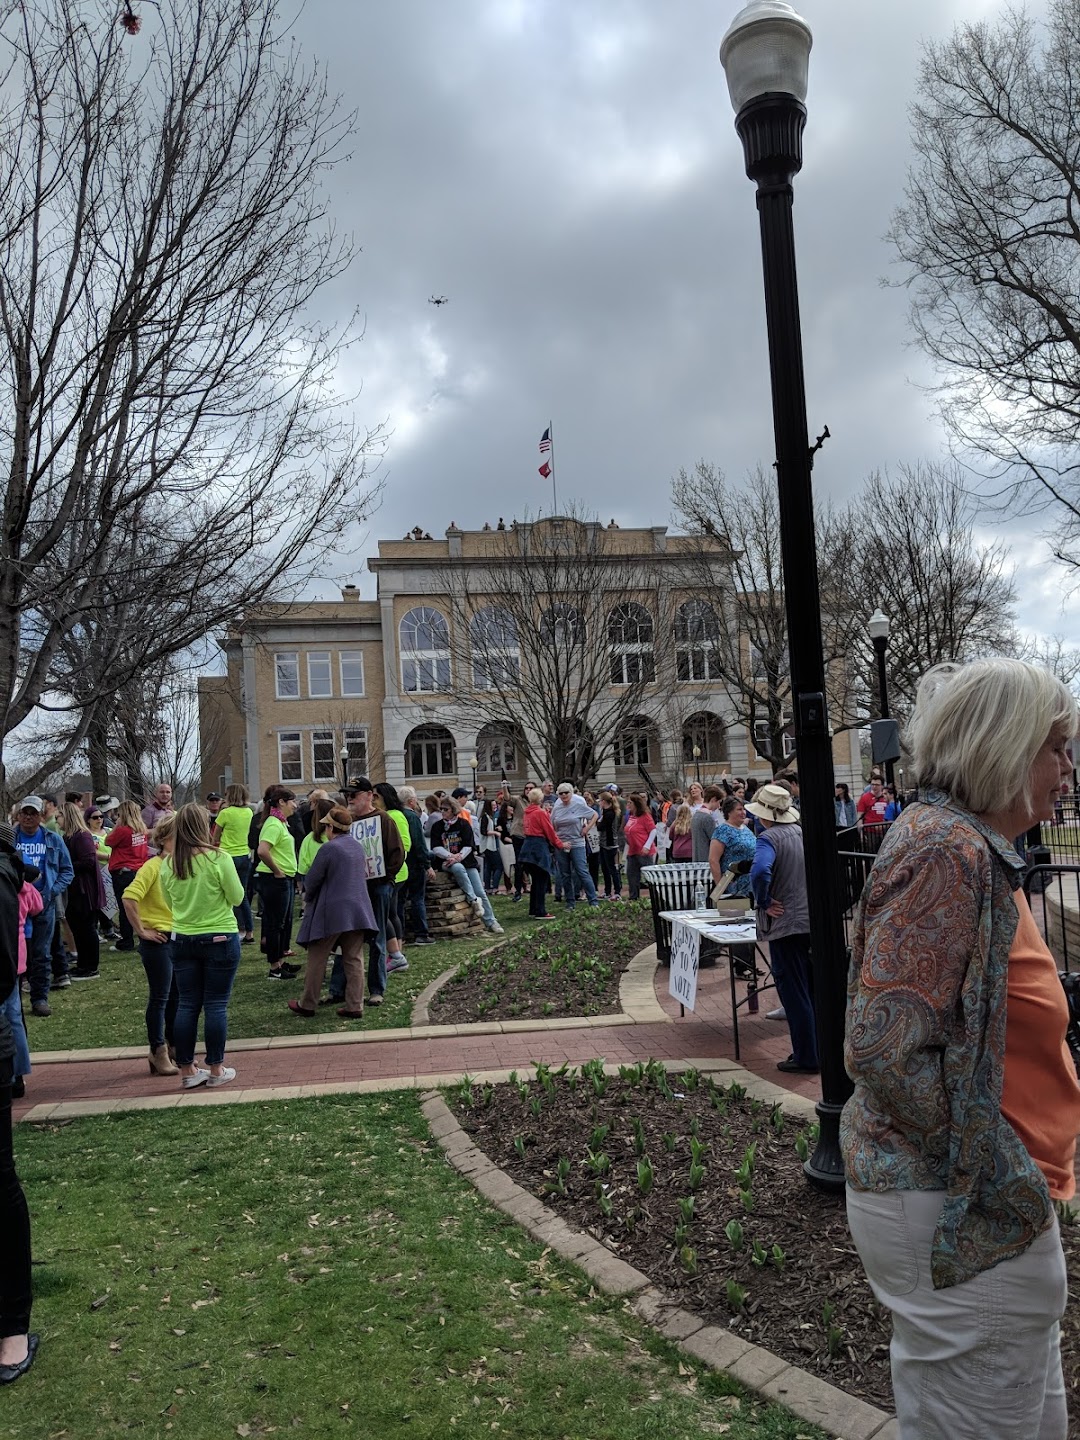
(234, 821)
(282, 846)
(146, 889)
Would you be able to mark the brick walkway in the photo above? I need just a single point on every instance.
(299, 1060)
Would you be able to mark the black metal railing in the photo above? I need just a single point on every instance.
(1053, 893)
(1061, 834)
(856, 850)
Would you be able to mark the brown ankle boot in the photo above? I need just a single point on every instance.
(161, 1062)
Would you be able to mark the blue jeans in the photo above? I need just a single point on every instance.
(39, 963)
(789, 960)
(164, 997)
(574, 875)
(12, 1008)
(381, 893)
(416, 896)
(472, 887)
(204, 967)
(243, 910)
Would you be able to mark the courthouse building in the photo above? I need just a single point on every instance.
(387, 687)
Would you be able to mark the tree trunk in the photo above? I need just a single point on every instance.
(97, 744)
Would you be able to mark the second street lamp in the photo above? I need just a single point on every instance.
(343, 756)
(765, 55)
(878, 629)
(697, 763)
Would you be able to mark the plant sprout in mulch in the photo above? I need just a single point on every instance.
(570, 966)
(701, 1187)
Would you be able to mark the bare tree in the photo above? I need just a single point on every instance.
(176, 448)
(558, 638)
(991, 247)
(753, 643)
(913, 553)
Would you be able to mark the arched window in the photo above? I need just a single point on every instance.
(429, 750)
(496, 654)
(632, 640)
(635, 740)
(706, 731)
(497, 750)
(425, 652)
(697, 641)
(562, 627)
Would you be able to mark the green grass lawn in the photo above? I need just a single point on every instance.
(110, 1011)
(316, 1268)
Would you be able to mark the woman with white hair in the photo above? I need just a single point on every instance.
(961, 1132)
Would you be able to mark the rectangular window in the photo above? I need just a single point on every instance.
(632, 667)
(352, 672)
(494, 672)
(324, 759)
(287, 675)
(356, 744)
(319, 682)
(290, 756)
(425, 677)
(761, 736)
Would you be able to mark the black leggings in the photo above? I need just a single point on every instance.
(276, 893)
(15, 1293)
(609, 862)
(541, 880)
(84, 931)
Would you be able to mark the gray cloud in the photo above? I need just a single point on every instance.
(567, 173)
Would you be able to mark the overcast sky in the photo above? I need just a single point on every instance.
(567, 173)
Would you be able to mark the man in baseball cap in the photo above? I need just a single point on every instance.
(46, 851)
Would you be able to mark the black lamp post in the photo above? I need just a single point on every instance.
(878, 628)
(697, 763)
(343, 756)
(765, 56)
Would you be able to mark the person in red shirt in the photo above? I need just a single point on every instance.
(871, 806)
(638, 829)
(536, 852)
(128, 843)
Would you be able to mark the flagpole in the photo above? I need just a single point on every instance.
(554, 494)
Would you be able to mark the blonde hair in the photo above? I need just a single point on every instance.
(70, 818)
(130, 815)
(976, 729)
(535, 797)
(236, 795)
(164, 830)
(684, 818)
(192, 831)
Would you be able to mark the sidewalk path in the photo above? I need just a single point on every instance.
(390, 1056)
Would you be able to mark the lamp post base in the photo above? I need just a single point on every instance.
(825, 1168)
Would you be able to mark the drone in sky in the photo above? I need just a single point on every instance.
(438, 300)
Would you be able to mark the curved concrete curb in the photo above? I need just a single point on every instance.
(758, 1369)
(637, 997)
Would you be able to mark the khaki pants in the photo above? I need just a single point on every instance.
(352, 958)
(977, 1361)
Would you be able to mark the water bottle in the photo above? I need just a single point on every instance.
(701, 896)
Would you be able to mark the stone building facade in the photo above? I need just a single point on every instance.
(314, 690)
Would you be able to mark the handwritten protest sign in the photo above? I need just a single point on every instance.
(685, 948)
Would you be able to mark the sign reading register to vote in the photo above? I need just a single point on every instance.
(682, 977)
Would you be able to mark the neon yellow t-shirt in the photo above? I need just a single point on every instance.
(308, 847)
(277, 835)
(146, 889)
(234, 821)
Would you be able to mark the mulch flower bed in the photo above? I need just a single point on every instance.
(702, 1189)
(569, 966)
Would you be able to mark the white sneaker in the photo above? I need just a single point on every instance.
(227, 1074)
(478, 905)
(189, 1082)
(779, 1014)
(495, 928)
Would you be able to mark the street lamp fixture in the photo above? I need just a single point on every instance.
(878, 629)
(474, 763)
(697, 763)
(343, 756)
(765, 55)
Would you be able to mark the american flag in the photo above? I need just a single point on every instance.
(545, 441)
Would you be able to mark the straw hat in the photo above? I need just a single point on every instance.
(773, 802)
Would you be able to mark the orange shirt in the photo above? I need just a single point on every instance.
(1040, 1094)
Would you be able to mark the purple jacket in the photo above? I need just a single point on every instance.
(337, 892)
